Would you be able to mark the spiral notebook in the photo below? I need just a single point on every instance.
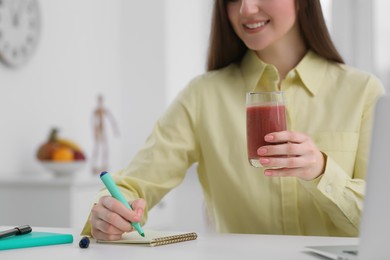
(153, 238)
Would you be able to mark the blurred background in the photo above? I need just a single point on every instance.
(138, 55)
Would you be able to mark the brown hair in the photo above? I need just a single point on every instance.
(225, 47)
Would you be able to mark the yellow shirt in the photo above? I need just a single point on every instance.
(206, 124)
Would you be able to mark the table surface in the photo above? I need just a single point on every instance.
(206, 246)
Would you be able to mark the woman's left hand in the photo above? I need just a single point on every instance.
(295, 153)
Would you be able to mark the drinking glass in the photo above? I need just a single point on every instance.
(265, 113)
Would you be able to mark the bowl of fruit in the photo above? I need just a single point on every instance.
(62, 157)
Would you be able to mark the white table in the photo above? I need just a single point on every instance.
(207, 246)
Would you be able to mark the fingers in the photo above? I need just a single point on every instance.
(302, 173)
(286, 136)
(287, 144)
(110, 218)
(139, 207)
(284, 162)
(116, 206)
(97, 234)
(106, 224)
(285, 149)
(291, 154)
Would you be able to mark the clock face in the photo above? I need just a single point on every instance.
(19, 30)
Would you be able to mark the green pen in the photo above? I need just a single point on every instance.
(116, 193)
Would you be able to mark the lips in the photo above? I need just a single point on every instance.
(256, 25)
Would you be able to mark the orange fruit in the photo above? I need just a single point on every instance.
(63, 154)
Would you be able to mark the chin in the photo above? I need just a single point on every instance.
(257, 45)
(257, 48)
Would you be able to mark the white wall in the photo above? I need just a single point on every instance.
(143, 94)
(137, 54)
(381, 40)
(77, 58)
(187, 32)
(352, 34)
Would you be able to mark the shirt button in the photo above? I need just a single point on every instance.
(328, 188)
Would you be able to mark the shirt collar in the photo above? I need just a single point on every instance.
(260, 76)
(312, 70)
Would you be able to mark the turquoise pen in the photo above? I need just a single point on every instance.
(116, 193)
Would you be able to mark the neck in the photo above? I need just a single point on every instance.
(284, 55)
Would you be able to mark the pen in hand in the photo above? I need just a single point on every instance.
(21, 230)
(116, 193)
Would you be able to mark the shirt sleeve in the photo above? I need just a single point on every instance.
(165, 157)
(339, 193)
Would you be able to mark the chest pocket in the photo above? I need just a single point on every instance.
(340, 146)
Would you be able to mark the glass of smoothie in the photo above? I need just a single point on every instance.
(265, 113)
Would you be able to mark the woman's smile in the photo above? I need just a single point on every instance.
(253, 27)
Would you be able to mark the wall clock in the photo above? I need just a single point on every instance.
(20, 24)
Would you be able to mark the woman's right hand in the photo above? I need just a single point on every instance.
(110, 218)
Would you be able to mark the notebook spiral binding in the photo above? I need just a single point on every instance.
(174, 239)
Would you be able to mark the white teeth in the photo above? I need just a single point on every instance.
(256, 25)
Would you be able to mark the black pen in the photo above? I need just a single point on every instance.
(21, 230)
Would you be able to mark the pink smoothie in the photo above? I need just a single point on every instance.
(262, 120)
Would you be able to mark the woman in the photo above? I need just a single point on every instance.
(260, 45)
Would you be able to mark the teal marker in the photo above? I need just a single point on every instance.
(116, 193)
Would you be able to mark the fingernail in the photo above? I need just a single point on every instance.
(261, 151)
(267, 173)
(268, 138)
(264, 161)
